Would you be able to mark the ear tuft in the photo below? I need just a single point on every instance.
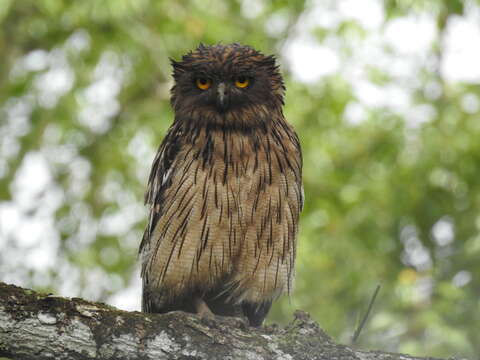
(178, 67)
(269, 61)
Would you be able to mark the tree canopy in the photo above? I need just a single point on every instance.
(385, 100)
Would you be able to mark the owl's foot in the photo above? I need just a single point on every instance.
(234, 321)
(202, 309)
(212, 320)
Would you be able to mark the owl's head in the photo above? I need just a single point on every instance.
(220, 79)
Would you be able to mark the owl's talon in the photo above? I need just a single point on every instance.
(202, 309)
(241, 322)
(231, 321)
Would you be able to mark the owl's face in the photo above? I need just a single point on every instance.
(225, 78)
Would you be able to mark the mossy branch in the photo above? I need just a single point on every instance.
(38, 326)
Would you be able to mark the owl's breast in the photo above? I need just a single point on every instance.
(230, 212)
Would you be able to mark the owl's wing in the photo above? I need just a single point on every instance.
(159, 180)
(299, 160)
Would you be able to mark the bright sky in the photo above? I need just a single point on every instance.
(33, 241)
(409, 36)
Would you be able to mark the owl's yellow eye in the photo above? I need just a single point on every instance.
(242, 82)
(203, 83)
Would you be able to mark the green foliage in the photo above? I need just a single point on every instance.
(84, 90)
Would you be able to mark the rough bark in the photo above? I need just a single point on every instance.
(39, 326)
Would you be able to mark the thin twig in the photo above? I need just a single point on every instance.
(364, 320)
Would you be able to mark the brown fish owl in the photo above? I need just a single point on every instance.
(225, 190)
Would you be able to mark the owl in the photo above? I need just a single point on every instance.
(225, 190)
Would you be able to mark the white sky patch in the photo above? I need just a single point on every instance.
(9, 147)
(309, 60)
(354, 113)
(410, 35)
(54, 82)
(32, 178)
(32, 244)
(69, 279)
(423, 289)
(120, 222)
(443, 231)
(18, 112)
(433, 90)
(462, 50)
(43, 255)
(368, 13)
(369, 94)
(100, 104)
(410, 38)
(462, 278)
(97, 275)
(276, 23)
(414, 253)
(79, 176)
(87, 228)
(396, 98)
(35, 60)
(99, 100)
(27, 225)
(252, 8)
(321, 13)
(419, 114)
(10, 218)
(29, 232)
(470, 103)
(129, 299)
(79, 41)
(141, 148)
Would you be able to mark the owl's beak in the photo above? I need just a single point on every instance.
(222, 102)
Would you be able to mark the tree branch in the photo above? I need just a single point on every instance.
(38, 326)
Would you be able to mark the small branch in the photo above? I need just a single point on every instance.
(38, 326)
(365, 317)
